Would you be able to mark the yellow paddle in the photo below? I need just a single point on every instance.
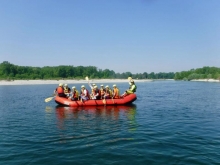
(104, 101)
(49, 99)
(113, 100)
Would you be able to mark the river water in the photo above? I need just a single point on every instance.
(171, 122)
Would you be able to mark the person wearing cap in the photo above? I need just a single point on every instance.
(84, 93)
(131, 89)
(66, 89)
(95, 93)
(116, 92)
(107, 92)
(75, 94)
(101, 91)
(59, 91)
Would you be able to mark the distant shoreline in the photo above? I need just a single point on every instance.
(41, 82)
(206, 80)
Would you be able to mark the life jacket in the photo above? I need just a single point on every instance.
(75, 94)
(92, 91)
(60, 90)
(110, 92)
(66, 90)
(101, 92)
(116, 93)
(135, 87)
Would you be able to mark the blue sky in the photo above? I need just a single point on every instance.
(121, 35)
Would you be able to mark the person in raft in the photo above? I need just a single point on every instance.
(66, 90)
(96, 93)
(75, 94)
(101, 91)
(108, 92)
(84, 93)
(131, 89)
(115, 92)
(59, 91)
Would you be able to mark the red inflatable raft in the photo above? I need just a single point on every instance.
(126, 100)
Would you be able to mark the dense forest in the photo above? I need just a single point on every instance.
(10, 71)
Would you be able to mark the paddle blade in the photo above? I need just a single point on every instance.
(87, 79)
(104, 102)
(48, 99)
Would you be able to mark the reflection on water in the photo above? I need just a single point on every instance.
(48, 109)
(93, 121)
(94, 114)
(99, 111)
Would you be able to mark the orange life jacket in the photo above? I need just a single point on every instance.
(60, 90)
(116, 93)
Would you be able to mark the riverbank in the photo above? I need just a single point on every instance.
(38, 82)
(206, 80)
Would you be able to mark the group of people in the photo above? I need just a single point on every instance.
(96, 93)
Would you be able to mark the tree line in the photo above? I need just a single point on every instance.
(200, 73)
(10, 71)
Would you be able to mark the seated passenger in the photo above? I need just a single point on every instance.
(115, 92)
(92, 95)
(95, 93)
(84, 93)
(59, 91)
(75, 94)
(107, 92)
(102, 92)
(131, 89)
(66, 90)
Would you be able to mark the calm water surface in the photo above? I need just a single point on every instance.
(170, 123)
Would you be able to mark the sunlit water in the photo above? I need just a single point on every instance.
(170, 123)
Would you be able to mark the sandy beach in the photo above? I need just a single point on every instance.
(206, 80)
(35, 82)
(38, 82)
